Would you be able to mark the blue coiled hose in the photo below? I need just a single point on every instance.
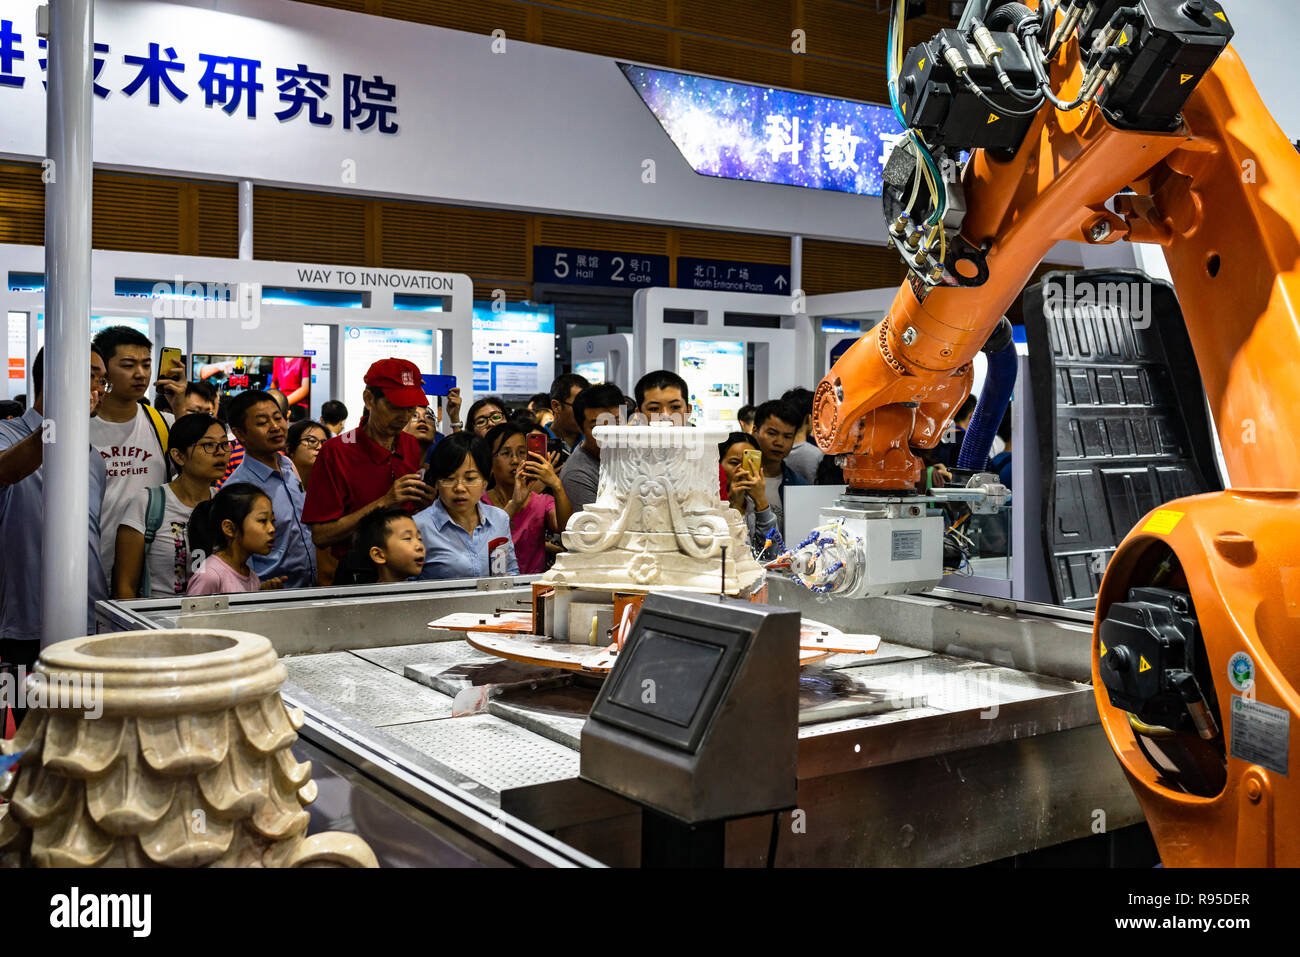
(999, 383)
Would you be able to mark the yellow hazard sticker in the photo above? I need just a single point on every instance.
(1143, 664)
(1184, 77)
(920, 64)
(1221, 16)
(993, 118)
(1102, 645)
(905, 108)
(1162, 522)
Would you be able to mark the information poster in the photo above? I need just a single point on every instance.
(317, 345)
(17, 378)
(514, 349)
(364, 345)
(715, 374)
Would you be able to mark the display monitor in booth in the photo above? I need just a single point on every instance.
(233, 374)
(593, 372)
(514, 348)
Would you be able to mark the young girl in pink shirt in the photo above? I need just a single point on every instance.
(236, 523)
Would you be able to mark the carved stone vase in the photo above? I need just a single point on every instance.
(657, 521)
(162, 749)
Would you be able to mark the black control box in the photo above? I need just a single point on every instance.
(1145, 643)
(938, 103)
(1170, 46)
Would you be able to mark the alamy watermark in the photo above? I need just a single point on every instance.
(82, 692)
(1085, 299)
(220, 301)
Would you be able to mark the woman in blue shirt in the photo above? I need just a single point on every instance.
(463, 536)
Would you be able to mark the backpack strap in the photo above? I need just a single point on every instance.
(155, 504)
(161, 432)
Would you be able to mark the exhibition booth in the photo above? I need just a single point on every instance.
(940, 654)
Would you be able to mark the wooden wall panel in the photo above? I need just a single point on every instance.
(642, 11)
(22, 204)
(762, 22)
(596, 234)
(702, 244)
(746, 40)
(736, 61)
(136, 213)
(604, 37)
(309, 227)
(842, 267)
(217, 227)
(475, 16)
(486, 291)
(482, 243)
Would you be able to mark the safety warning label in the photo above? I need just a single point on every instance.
(1260, 734)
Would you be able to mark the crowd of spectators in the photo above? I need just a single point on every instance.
(229, 494)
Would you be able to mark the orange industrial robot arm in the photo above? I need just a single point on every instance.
(1219, 194)
(1201, 602)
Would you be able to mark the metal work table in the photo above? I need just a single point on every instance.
(968, 737)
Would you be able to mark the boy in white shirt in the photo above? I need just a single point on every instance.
(131, 438)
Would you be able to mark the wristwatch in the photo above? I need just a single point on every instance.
(455, 426)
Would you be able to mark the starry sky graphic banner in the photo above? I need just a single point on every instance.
(739, 131)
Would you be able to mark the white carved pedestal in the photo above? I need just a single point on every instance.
(658, 521)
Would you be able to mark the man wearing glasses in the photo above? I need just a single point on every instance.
(22, 517)
(376, 465)
(564, 426)
(259, 425)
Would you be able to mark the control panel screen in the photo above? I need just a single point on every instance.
(667, 677)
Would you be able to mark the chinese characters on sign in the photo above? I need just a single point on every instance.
(598, 267)
(730, 276)
(739, 131)
(231, 83)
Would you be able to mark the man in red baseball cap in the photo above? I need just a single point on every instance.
(376, 465)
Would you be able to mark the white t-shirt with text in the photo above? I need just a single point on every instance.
(168, 559)
(132, 461)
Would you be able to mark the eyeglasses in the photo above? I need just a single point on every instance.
(467, 482)
(509, 454)
(494, 419)
(424, 414)
(311, 441)
(100, 382)
(212, 448)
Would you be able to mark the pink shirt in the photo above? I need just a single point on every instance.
(288, 372)
(528, 530)
(215, 577)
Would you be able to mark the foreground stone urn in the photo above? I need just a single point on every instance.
(188, 765)
(658, 521)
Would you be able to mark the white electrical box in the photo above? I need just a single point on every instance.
(901, 553)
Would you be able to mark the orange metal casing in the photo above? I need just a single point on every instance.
(1240, 551)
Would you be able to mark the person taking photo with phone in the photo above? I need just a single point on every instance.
(746, 492)
(522, 474)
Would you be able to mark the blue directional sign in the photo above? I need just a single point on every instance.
(598, 267)
(727, 276)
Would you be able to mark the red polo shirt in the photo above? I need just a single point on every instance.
(351, 471)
